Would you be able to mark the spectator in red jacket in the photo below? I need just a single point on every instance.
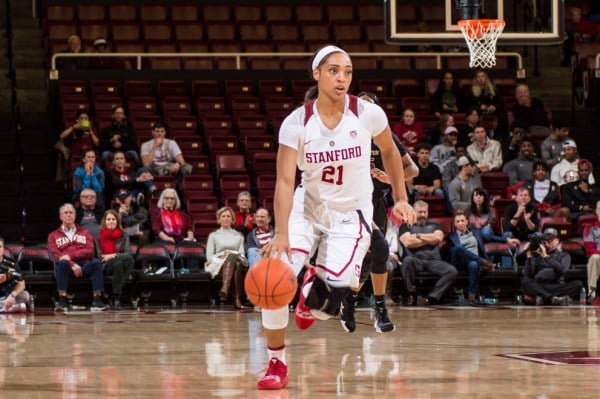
(409, 131)
(73, 251)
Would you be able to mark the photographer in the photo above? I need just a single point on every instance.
(545, 268)
(75, 139)
(13, 297)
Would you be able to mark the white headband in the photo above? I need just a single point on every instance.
(324, 52)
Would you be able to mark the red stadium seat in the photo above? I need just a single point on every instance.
(227, 164)
(91, 12)
(153, 12)
(171, 88)
(216, 12)
(137, 88)
(122, 12)
(210, 105)
(190, 32)
(309, 13)
(246, 13)
(179, 104)
(220, 145)
(184, 12)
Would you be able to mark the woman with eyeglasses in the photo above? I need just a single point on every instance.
(171, 224)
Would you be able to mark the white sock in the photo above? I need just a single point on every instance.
(279, 353)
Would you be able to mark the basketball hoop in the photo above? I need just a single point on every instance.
(481, 36)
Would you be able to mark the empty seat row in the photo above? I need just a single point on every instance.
(219, 12)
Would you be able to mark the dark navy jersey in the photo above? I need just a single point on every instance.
(381, 189)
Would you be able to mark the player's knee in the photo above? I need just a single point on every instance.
(380, 251)
(275, 319)
(325, 298)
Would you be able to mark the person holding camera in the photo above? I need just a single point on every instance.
(13, 297)
(73, 140)
(544, 275)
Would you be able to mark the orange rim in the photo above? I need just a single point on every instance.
(478, 26)
(484, 23)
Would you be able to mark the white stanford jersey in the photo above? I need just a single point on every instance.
(335, 164)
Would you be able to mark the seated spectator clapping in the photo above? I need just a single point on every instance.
(89, 175)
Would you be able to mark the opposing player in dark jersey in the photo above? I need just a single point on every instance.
(375, 261)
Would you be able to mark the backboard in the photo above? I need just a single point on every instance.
(434, 22)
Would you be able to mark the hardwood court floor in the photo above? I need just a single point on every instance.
(434, 353)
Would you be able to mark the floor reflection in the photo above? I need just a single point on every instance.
(435, 353)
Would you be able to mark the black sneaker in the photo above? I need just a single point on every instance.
(382, 321)
(61, 305)
(98, 305)
(347, 315)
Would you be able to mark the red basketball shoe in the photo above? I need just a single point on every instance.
(304, 319)
(275, 377)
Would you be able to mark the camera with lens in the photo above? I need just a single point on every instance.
(536, 239)
(8, 267)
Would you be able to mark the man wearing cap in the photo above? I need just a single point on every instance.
(134, 218)
(566, 170)
(543, 279)
(100, 46)
(443, 153)
(461, 188)
(580, 196)
(552, 146)
(485, 151)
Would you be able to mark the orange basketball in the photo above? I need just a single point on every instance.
(270, 283)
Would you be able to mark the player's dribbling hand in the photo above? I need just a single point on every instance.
(278, 246)
(405, 212)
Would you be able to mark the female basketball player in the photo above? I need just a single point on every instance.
(329, 139)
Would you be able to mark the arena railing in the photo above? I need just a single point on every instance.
(239, 56)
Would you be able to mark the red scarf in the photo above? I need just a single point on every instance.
(172, 222)
(108, 240)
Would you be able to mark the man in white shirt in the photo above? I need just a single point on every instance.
(163, 156)
(566, 171)
(485, 151)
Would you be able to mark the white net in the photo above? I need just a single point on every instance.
(481, 36)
